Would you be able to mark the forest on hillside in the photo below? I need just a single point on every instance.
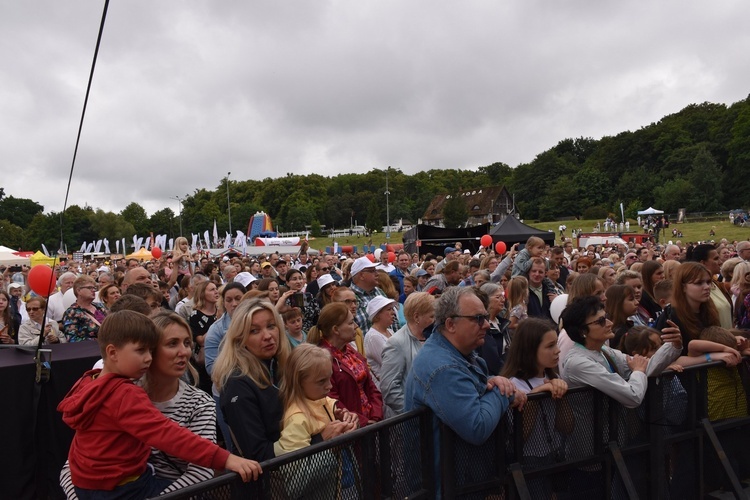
(698, 159)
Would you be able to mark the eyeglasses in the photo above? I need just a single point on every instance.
(601, 321)
(34, 309)
(479, 318)
(91, 287)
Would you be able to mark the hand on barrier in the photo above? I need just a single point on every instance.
(731, 357)
(336, 428)
(519, 400)
(247, 469)
(506, 386)
(558, 387)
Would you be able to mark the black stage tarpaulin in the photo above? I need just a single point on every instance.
(30, 461)
(425, 239)
(511, 230)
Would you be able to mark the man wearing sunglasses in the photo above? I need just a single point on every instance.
(449, 377)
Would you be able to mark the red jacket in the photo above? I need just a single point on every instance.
(346, 390)
(116, 425)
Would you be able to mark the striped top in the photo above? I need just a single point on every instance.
(191, 408)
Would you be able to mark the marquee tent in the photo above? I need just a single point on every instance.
(511, 230)
(650, 211)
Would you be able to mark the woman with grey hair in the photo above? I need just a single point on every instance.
(497, 340)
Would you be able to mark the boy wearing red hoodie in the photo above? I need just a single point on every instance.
(117, 425)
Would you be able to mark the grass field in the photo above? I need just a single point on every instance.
(692, 232)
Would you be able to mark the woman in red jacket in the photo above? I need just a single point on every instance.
(351, 379)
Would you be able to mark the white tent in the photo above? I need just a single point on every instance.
(4, 249)
(650, 211)
(9, 259)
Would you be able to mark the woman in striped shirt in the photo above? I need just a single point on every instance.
(185, 404)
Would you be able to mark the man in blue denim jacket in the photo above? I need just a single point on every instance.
(452, 380)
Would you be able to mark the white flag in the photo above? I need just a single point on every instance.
(216, 236)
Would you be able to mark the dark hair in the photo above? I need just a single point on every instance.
(143, 291)
(522, 356)
(123, 327)
(292, 272)
(637, 340)
(647, 274)
(699, 253)
(574, 317)
(232, 286)
(131, 303)
(616, 295)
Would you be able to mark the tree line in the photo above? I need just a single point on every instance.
(698, 159)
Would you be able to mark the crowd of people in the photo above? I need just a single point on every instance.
(266, 355)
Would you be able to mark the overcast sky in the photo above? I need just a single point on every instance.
(185, 91)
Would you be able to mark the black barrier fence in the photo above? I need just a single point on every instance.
(585, 445)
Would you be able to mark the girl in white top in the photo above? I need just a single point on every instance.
(382, 313)
(530, 366)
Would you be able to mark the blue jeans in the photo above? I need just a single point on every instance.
(146, 486)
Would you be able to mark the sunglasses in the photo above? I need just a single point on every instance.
(34, 309)
(601, 321)
(478, 318)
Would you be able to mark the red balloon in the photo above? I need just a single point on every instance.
(41, 280)
(391, 257)
(500, 247)
(370, 257)
(156, 252)
(486, 240)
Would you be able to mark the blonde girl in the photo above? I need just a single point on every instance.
(181, 256)
(309, 414)
(518, 298)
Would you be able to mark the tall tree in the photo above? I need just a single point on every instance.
(706, 179)
(19, 211)
(454, 211)
(136, 215)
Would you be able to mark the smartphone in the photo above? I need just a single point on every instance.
(14, 269)
(298, 299)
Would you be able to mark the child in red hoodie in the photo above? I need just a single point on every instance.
(116, 424)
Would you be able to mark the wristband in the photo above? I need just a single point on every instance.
(708, 357)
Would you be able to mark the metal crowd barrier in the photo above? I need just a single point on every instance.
(585, 445)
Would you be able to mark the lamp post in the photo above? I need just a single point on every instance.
(180, 201)
(387, 208)
(229, 207)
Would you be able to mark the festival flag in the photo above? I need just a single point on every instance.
(117, 245)
(171, 244)
(106, 246)
(194, 247)
(227, 241)
(216, 235)
(207, 240)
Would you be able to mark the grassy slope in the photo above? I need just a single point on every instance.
(692, 231)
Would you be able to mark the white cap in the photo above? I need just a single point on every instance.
(244, 278)
(325, 279)
(360, 264)
(377, 304)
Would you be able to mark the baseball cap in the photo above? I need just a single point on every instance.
(324, 280)
(361, 264)
(265, 264)
(377, 304)
(244, 278)
(422, 272)
(448, 250)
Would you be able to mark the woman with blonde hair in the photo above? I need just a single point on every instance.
(740, 286)
(82, 320)
(247, 373)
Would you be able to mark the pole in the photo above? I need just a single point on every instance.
(179, 200)
(229, 207)
(387, 207)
